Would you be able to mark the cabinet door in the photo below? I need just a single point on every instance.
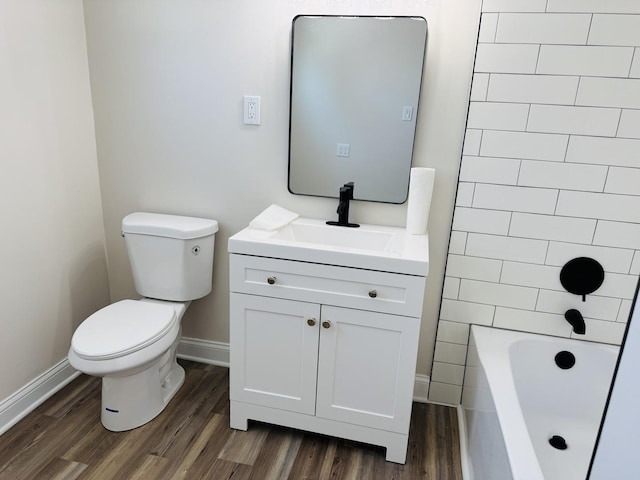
(274, 352)
(366, 368)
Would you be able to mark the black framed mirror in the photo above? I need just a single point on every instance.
(355, 87)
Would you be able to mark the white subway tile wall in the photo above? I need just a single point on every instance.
(635, 66)
(623, 314)
(584, 60)
(622, 180)
(635, 264)
(567, 176)
(517, 199)
(488, 27)
(531, 275)
(482, 221)
(550, 172)
(464, 197)
(618, 234)
(480, 86)
(594, 6)
(575, 120)
(489, 170)
(630, 122)
(620, 30)
(551, 227)
(451, 287)
(498, 116)
(472, 141)
(621, 152)
(506, 248)
(513, 5)
(612, 259)
(604, 206)
(461, 266)
(599, 331)
(543, 28)
(551, 89)
(609, 92)
(453, 332)
(530, 146)
(506, 58)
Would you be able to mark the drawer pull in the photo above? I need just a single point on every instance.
(326, 324)
(271, 280)
(311, 322)
(373, 293)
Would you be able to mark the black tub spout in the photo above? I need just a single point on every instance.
(574, 317)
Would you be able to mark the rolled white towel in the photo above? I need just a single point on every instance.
(273, 218)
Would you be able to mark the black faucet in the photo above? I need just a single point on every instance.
(574, 317)
(346, 194)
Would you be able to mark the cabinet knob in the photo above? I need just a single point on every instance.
(311, 322)
(271, 280)
(326, 324)
(373, 293)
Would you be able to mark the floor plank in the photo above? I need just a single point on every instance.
(277, 455)
(60, 469)
(151, 466)
(63, 439)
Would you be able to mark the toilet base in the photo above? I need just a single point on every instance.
(131, 401)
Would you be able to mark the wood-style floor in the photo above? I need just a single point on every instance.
(191, 439)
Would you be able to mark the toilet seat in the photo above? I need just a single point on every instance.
(122, 328)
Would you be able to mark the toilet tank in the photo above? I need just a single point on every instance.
(171, 256)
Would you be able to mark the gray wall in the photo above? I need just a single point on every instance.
(52, 252)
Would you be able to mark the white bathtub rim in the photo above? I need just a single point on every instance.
(523, 459)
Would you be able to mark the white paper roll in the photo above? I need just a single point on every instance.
(419, 201)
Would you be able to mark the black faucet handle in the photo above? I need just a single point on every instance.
(346, 191)
(350, 186)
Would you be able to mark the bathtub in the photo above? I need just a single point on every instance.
(516, 398)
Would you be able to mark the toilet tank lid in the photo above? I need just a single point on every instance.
(172, 226)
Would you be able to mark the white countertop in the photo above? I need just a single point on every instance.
(373, 247)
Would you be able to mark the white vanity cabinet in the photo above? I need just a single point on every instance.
(324, 348)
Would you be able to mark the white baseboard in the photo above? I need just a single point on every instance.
(24, 401)
(421, 388)
(204, 351)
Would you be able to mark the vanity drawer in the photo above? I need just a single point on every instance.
(327, 284)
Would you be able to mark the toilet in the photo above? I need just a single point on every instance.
(132, 344)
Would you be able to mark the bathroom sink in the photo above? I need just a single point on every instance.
(373, 247)
(341, 237)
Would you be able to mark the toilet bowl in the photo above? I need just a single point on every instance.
(132, 344)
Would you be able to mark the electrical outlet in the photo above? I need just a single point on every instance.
(343, 150)
(407, 113)
(251, 110)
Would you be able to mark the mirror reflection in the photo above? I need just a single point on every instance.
(355, 85)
